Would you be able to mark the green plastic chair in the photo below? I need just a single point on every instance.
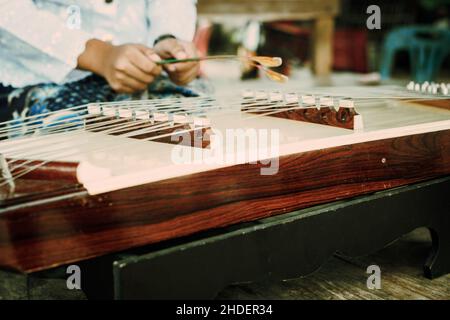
(427, 48)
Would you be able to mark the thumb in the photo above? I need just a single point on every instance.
(178, 52)
(149, 53)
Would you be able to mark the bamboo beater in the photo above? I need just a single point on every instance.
(263, 63)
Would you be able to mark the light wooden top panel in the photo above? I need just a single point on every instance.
(268, 10)
(110, 162)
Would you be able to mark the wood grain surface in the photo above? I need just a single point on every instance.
(342, 118)
(60, 227)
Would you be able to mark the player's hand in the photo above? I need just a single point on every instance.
(127, 68)
(130, 68)
(179, 73)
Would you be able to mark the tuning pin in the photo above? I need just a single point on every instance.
(424, 86)
(417, 87)
(309, 100)
(247, 94)
(110, 111)
(291, 98)
(275, 96)
(444, 89)
(142, 114)
(125, 113)
(346, 103)
(261, 95)
(94, 109)
(410, 86)
(435, 89)
(327, 101)
(201, 122)
(151, 116)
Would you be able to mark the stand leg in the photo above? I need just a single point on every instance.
(438, 263)
(323, 42)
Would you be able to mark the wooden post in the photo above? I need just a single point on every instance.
(323, 45)
(322, 12)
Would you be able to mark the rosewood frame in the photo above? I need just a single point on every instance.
(39, 232)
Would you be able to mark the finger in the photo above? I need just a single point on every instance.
(145, 60)
(185, 78)
(185, 66)
(192, 70)
(134, 72)
(190, 74)
(124, 89)
(157, 69)
(149, 52)
(188, 78)
(154, 57)
(177, 51)
(191, 52)
(131, 82)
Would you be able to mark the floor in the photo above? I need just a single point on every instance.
(343, 278)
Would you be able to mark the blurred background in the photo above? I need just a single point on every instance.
(328, 42)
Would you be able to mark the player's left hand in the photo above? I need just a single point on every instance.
(179, 73)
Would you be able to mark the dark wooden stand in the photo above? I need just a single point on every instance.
(290, 245)
(281, 247)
